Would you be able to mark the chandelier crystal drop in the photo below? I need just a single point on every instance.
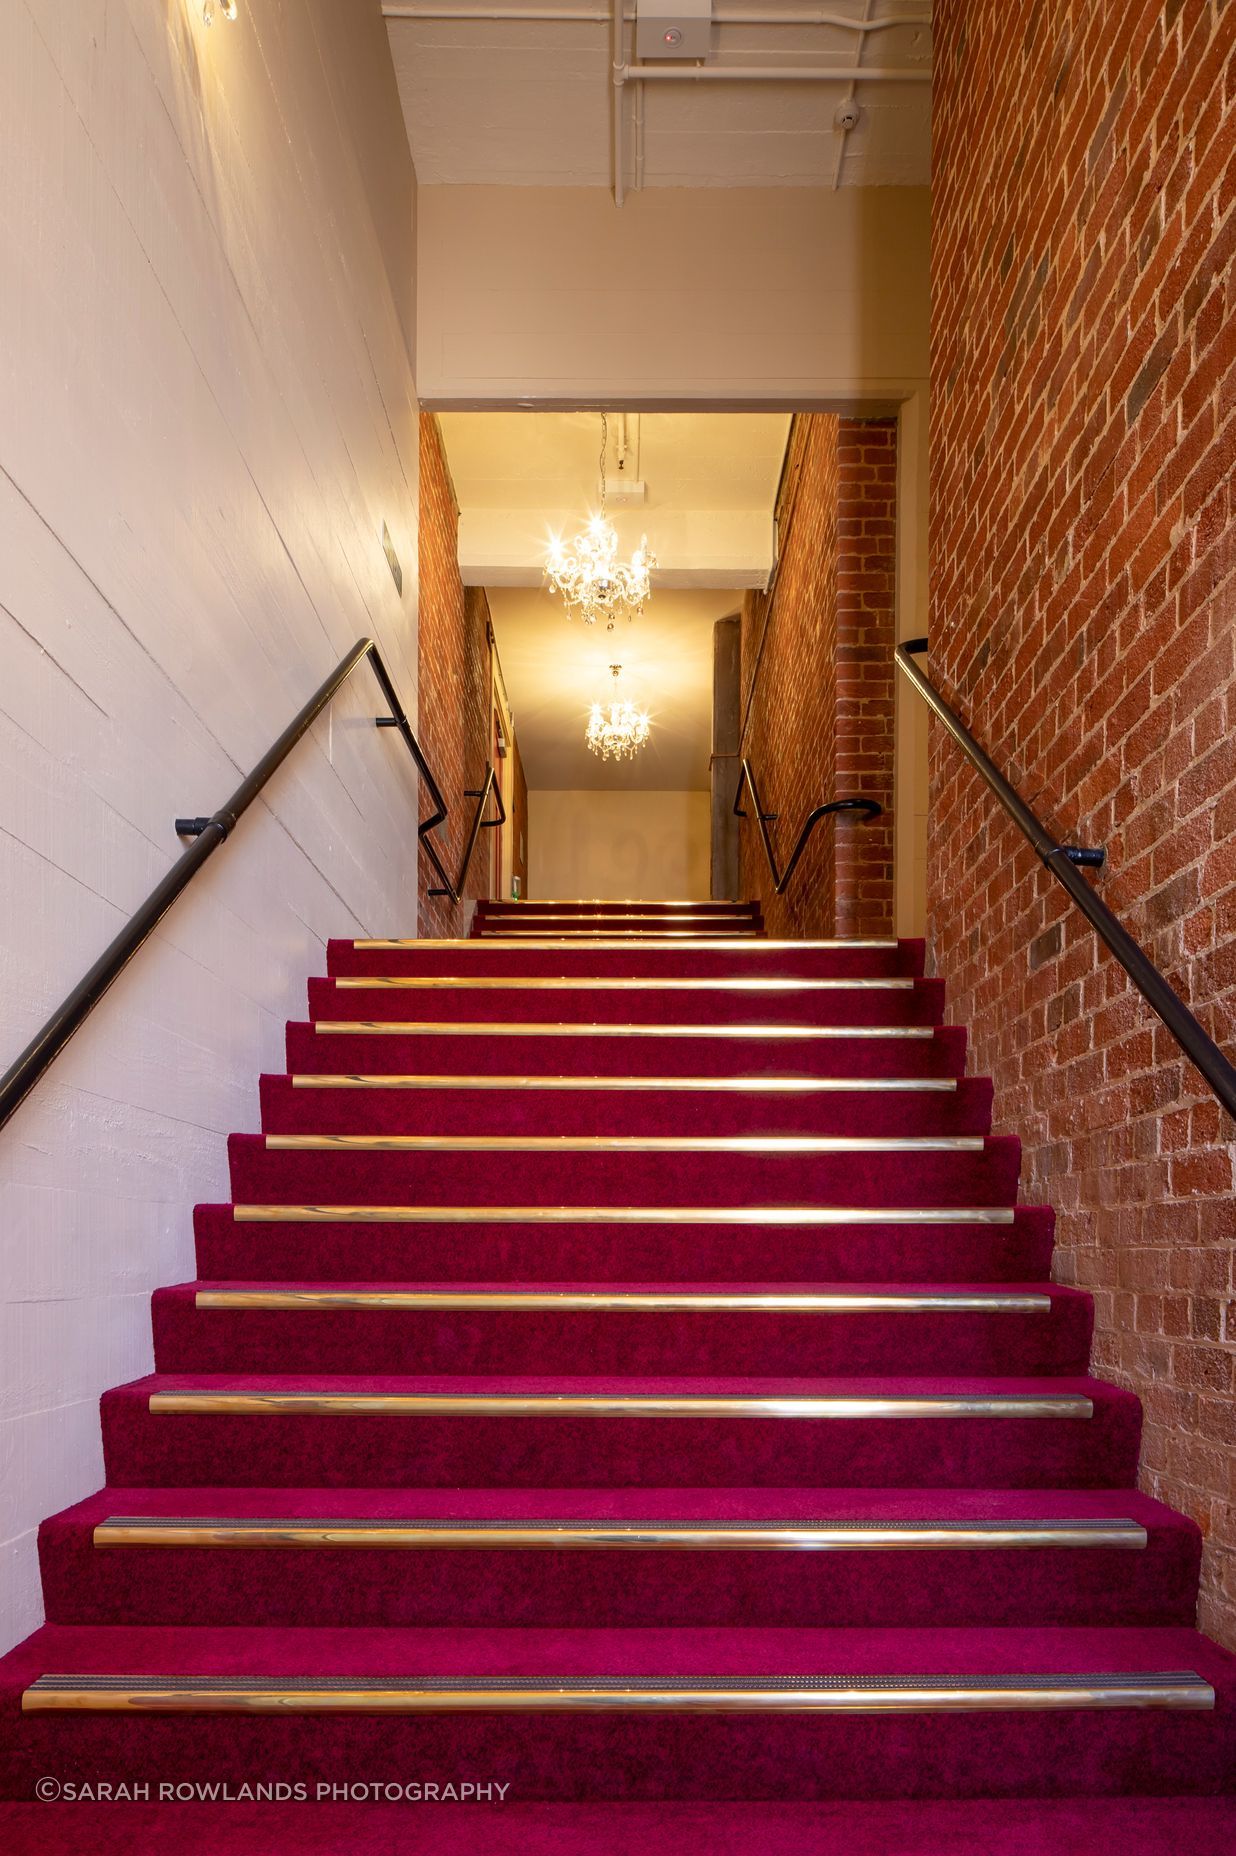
(617, 730)
(588, 576)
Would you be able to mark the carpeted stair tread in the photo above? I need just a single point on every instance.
(627, 956)
(620, 1753)
(608, 1503)
(622, 1248)
(576, 1049)
(343, 1429)
(620, 1328)
(978, 1827)
(682, 1653)
(465, 1170)
(589, 999)
(1130, 1561)
(371, 1102)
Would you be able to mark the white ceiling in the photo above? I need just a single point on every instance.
(527, 103)
(555, 668)
(710, 478)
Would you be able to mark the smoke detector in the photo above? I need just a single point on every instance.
(847, 114)
(672, 29)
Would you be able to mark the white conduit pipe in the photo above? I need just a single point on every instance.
(619, 73)
(582, 15)
(772, 74)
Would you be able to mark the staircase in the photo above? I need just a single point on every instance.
(625, 1373)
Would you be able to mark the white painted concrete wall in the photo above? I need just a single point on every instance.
(206, 414)
(792, 297)
(618, 845)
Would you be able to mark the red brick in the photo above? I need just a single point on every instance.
(1083, 539)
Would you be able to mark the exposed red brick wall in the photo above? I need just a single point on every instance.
(1083, 541)
(454, 685)
(817, 679)
(866, 608)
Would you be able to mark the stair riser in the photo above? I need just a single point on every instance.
(228, 1251)
(663, 962)
(582, 1054)
(342, 1176)
(210, 1340)
(920, 1005)
(287, 1109)
(463, 1588)
(634, 1756)
(160, 1449)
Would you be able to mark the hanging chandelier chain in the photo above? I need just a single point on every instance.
(604, 452)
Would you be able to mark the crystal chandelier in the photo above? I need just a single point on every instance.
(618, 730)
(588, 575)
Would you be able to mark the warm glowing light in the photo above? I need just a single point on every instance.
(218, 9)
(617, 730)
(588, 576)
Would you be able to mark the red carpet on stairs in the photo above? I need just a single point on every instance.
(624, 1373)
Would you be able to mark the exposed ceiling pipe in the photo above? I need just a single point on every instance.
(841, 120)
(772, 74)
(618, 72)
(585, 15)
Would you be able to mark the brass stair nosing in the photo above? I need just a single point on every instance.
(724, 1085)
(638, 1214)
(600, 1535)
(637, 1301)
(698, 943)
(791, 1407)
(789, 1144)
(600, 982)
(851, 1694)
(527, 1028)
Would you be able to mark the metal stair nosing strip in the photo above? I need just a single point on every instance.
(723, 1085)
(793, 1215)
(666, 1301)
(252, 1401)
(695, 944)
(590, 982)
(841, 1694)
(449, 1533)
(629, 1143)
(578, 1028)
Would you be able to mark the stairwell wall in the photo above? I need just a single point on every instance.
(1083, 610)
(455, 679)
(207, 414)
(817, 712)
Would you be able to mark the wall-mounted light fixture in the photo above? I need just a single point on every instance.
(217, 9)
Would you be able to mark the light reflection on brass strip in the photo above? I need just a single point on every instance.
(627, 1143)
(599, 982)
(600, 1535)
(1070, 1405)
(622, 944)
(728, 1085)
(642, 1301)
(620, 1214)
(527, 1028)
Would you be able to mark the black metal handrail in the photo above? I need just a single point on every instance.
(209, 834)
(1063, 861)
(746, 779)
